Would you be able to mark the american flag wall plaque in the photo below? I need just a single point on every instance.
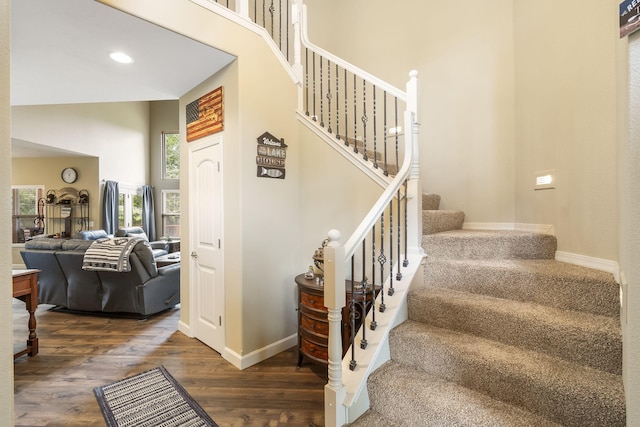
(205, 115)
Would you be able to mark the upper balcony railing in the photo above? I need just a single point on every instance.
(273, 15)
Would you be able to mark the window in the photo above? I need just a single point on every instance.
(171, 213)
(129, 207)
(170, 155)
(27, 219)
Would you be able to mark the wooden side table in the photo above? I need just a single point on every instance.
(25, 288)
(313, 325)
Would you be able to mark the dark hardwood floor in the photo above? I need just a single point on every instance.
(79, 352)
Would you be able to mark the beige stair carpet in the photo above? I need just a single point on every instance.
(501, 334)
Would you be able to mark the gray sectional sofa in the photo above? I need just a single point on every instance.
(143, 291)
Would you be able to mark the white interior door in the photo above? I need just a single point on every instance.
(207, 278)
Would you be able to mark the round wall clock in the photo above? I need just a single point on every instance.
(69, 175)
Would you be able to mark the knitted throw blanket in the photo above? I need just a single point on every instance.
(109, 254)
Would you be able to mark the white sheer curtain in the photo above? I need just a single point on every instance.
(148, 212)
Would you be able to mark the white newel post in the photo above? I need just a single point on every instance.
(414, 185)
(334, 299)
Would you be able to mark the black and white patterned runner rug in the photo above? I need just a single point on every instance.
(150, 398)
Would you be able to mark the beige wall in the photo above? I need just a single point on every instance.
(117, 133)
(465, 60)
(46, 171)
(322, 207)
(6, 332)
(566, 120)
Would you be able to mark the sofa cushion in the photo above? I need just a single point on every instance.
(159, 247)
(91, 234)
(145, 255)
(84, 289)
(44, 243)
(52, 283)
(130, 232)
(141, 235)
(76, 245)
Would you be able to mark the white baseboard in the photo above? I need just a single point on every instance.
(535, 228)
(185, 329)
(590, 262)
(257, 356)
(509, 226)
(487, 226)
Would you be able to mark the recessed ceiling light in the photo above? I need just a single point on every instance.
(121, 57)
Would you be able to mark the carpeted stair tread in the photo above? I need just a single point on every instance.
(437, 221)
(546, 282)
(501, 334)
(585, 338)
(568, 393)
(415, 398)
(483, 244)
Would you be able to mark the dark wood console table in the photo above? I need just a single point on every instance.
(313, 325)
(25, 288)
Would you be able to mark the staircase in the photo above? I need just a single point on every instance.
(501, 335)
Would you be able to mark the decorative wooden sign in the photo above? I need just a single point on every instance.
(205, 115)
(629, 17)
(272, 153)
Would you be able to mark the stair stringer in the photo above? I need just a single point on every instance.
(356, 159)
(377, 352)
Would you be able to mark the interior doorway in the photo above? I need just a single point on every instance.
(206, 247)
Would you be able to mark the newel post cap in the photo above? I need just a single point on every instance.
(334, 237)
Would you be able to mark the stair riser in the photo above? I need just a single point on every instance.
(439, 221)
(516, 281)
(482, 246)
(431, 202)
(553, 395)
(587, 344)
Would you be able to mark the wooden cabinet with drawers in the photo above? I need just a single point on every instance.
(313, 325)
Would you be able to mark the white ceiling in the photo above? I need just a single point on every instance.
(60, 55)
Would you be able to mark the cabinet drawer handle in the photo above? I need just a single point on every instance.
(312, 301)
(313, 326)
